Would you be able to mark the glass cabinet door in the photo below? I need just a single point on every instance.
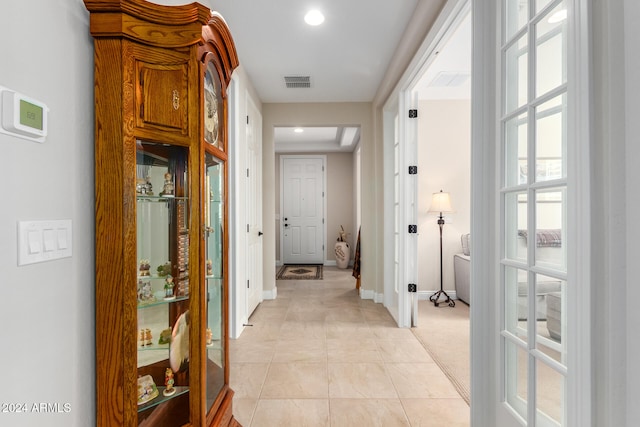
(162, 211)
(214, 273)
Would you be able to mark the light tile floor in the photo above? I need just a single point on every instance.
(318, 355)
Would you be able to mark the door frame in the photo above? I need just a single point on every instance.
(322, 157)
(399, 102)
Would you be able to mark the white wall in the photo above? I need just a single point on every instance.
(616, 212)
(47, 309)
(632, 156)
(444, 148)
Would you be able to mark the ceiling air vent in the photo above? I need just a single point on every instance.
(297, 82)
(449, 79)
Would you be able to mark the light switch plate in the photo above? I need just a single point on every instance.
(40, 241)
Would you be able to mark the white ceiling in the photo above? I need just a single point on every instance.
(449, 75)
(316, 139)
(346, 57)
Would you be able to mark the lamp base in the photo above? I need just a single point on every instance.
(435, 299)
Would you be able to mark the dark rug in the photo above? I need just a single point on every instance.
(300, 272)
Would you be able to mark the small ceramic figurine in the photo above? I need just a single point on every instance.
(141, 338)
(148, 187)
(144, 291)
(165, 336)
(209, 268)
(167, 191)
(209, 337)
(168, 382)
(164, 269)
(168, 288)
(148, 337)
(141, 187)
(147, 389)
(144, 267)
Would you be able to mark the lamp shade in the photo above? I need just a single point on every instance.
(440, 203)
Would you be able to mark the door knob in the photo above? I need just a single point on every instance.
(260, 233)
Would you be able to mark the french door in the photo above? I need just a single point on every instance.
(401, 152)
(537, 212)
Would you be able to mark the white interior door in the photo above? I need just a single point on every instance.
(254, 206)
(400, 127)
(302, 214)
(409, 151)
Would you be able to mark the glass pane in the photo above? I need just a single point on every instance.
(396, 158)
(516, 150)
(540, 4)
(163, 278)
(214, 271)
(516, 369)
(396, 218)
(516, 226)
(515, 17)
(551, 64)
(550, 386)
(396, 275)
(396, 188)
(550, 234)
(516, 301)
(549, 302)
(551, 139)
(516, 75)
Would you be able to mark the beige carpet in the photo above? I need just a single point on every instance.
(300, 272)
(444, 332)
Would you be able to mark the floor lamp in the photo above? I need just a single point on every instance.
(441, 203)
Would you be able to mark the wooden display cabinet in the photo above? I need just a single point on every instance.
(161, 75)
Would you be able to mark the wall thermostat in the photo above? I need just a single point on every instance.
(22, 116)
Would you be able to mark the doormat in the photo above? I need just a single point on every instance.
(300, 272)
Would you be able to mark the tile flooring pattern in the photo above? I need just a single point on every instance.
(318, 355)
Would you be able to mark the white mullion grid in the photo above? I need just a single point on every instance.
(509, 382)
(532, 316)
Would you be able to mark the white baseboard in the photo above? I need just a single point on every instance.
(271, 294)
(425, 295)
(369, 294)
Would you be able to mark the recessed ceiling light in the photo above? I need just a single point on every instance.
(314, 17)
(298, 130)
(560, 15)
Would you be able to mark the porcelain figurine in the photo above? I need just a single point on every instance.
(167, 191)
(168, 288)
(168, 383)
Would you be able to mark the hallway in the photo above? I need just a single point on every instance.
(318, 355)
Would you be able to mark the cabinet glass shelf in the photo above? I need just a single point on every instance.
(162, 398)
(161, 302)
(142, 198)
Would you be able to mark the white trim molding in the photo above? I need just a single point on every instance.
(270, 294)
